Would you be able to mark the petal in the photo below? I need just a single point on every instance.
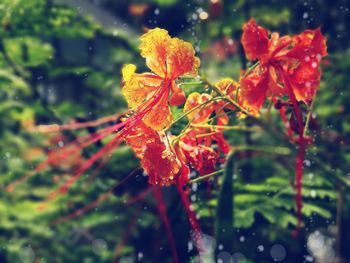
(128, 71)
(154, 47)
(160, 163)
(255, 40)
(202, 113)
(305, 81)
(309, 43)
(158, 159)
(229, 87)
(160, 116)
(201, 158)
(168, 57)
(178, 96)
(223, 145)
(139, 136)
(310, 47)
(137, 87)
(254, 88)
(181, 59)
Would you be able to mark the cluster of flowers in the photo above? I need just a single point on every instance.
(287, 68)
(286, 73)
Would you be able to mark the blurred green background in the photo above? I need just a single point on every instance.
(61, 60)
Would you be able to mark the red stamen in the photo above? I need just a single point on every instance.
(93, 204)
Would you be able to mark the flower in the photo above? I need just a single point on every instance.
(158, 158)
(226, 86)
(295, 59)
(151, 93)
(204, 147)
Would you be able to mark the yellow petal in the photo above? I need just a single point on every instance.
(181, 59)
(154, 47)
(160, 117)
(137, 87)
(166, 56)
(201, 114)
(228, 86)
(127, 71)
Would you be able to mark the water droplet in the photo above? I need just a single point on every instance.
(260, 248)
(238, 258)
(99, 246)
(224, 257)
(278, 252)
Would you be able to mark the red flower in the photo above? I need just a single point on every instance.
(293, 58)
(158, 158)
(204, 147)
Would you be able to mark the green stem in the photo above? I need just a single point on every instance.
(234, 103)
(192, 110)
(221, 127)
(266, 149)
(308, 117)
(203, 177)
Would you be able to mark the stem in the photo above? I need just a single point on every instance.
(249, 70)
(203, 177)
(302, 145)
(221, 127)
(192, 110)
(162, 210)
(308, 117)
(234, 103)
(265, 149)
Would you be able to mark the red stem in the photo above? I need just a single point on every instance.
(302, 145)
(192, 218)
(161, 206)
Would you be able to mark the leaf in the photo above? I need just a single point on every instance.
(309, 209)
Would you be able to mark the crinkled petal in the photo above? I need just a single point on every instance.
(202, 113)
(168, 57)
(154, 47)
(305, 81)
(254, 88)
(181, 59)
(230, 88)
(310, 47)
(160, 116)
(139, 136)
(255, 40)
(137, 87)
(201, 158)
(158, 159)
(160, 163)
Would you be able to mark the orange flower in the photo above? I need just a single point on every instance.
(151, 93)
(158, 158)
(295, 59)
(226, 86)
(204, 148)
